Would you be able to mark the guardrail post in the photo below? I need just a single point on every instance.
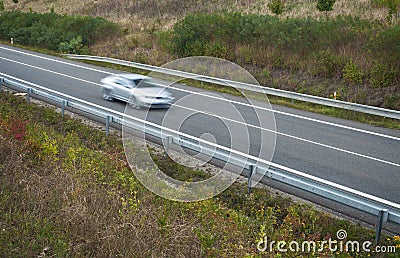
(252, 170)
(28, 94)
(64, 104)
(1, 83)
(108, 119)
(382, 218)
(168, 141)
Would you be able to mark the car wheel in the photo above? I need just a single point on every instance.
(134, 103)
(107, 94)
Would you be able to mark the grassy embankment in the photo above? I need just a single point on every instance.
(66, 190)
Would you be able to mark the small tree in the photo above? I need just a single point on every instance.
(74, 46)
(325, 5)
(276, 6)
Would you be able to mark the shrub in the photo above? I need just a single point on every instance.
(385, 45)
(381, 76)
(48, 30)
(328, 64)
(392, 101)
(276, 6)
(216, 49)
(299, 36)
(325, 5)
(74, 46)
(1, 6)
(352, 73)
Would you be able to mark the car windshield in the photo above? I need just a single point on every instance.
(146, 83)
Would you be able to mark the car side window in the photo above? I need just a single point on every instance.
(122, 82)
(136, 82)
(117, 81)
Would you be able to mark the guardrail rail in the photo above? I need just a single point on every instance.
(385, 210)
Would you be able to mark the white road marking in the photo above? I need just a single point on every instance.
(293, 115)
(258, 159)
(293, 137)
(49, 71)
(232, 101)
(187, 91)
(221, 117)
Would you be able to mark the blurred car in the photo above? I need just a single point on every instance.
(138, 90)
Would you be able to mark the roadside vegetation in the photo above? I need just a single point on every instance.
(69, 34)
(66, 190)
(315, 47)
(356, 58)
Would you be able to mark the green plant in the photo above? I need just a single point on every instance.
(48, 30)
(276, 6)
(381, 76)
(392, 101)
(392, 5)
(15, 1)
(1, 5)
(325, 5)
(216, 49)
(74, 46)
(328, 64)
(352, 73)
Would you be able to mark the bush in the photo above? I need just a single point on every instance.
(352, 73)
(325, 5)
(74, 46)
(381, 76)
(49, 30)
(385, 46)
(302, 37)
(276, 6)
(328, 64)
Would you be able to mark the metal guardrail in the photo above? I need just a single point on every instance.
(251, 87)
(383, 209)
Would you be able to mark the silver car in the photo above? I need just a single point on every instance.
(138, 90)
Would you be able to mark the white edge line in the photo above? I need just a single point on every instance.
(293, 171)
(293, 137)
(272, 110)
(236, 102)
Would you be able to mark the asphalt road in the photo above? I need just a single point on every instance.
(352, 154)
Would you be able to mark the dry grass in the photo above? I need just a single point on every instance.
(139, 13)
(143, 15)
